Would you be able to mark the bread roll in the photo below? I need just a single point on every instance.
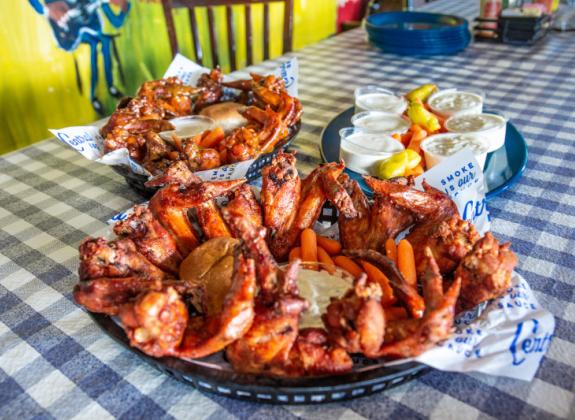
(226, 115)
(210, 267)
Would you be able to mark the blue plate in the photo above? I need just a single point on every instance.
(404, 23)
(423, 50)
(503, 168)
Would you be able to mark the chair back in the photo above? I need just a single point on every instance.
(169, 5)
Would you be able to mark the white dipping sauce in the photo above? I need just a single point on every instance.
(375, 98)
(361, 150)
(317, 287)
(492, 128)
(440, 146)
(451, 102)
(380, 122)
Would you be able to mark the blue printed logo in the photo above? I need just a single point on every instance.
(526, 341)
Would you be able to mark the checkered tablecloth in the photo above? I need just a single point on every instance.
(55, 362)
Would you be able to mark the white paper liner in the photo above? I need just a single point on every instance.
(87, 140)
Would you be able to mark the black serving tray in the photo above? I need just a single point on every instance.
(213, 374)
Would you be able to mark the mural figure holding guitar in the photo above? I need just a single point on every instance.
(76, 22)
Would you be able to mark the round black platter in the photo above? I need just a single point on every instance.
(137, 181)
(370, 378)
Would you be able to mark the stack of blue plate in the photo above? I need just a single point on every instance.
(418, 33)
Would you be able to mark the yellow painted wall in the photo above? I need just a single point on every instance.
(37, 79)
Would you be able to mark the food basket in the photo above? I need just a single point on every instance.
(214, 374)
(137, 181)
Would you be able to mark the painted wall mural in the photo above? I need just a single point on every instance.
(65, 62)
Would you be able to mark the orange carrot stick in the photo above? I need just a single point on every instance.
(391, 250)
(323, 257)
(332, 246)
(418, 170)
(375, 275)
(406, 262)
(395, 313)
(212, 138)
(294, 254)
(308, 245)
(348, 265)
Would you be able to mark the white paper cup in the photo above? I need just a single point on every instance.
(380, 122)
(374, 98)
(440, 146)
(490, 127)
(361, 150)
(450, 102)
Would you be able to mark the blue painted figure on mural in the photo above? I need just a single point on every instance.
(80, 21)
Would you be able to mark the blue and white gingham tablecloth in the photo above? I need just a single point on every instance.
(55, 362)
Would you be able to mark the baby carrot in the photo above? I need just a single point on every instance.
(395, 313)
(406, 262)
(323, 257)
(294, 254)
(332, 246)
(212, 138)
(391, 250)
(375, 275)
(308, 245)
(418, 170)
(348, 264)
(406, 138)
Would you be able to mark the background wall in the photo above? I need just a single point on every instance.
(38, 87)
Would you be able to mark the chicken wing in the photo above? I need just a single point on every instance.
(485, 272)
(118, 258)
(152, 240)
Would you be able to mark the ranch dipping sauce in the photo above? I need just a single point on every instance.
(491, 128)
(449, 102)
(361, 150)
(440, 146)
(317, 287)
(380, 122)
(373, 98)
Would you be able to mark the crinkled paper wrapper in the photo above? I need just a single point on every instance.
(89, 143)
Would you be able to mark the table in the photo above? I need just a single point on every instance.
(55, 362)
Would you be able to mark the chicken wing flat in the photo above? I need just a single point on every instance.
(118, 258)
(485, 272)
(170, 206)
(356, 321)
(374, 223)
(211, 221)
(152, 240)
(257, 249)
(243, 204)
(449, 240)
(280, 194)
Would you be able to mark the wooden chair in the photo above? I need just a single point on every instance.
(169, 5)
